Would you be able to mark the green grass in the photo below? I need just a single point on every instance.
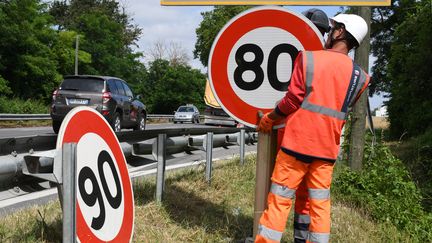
(193, 211)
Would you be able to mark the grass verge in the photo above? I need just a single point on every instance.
(193, 211)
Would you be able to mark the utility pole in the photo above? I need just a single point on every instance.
(76, 54)
(358, 124)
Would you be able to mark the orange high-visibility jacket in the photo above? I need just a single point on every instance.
(333, 84)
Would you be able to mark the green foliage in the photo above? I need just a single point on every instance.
(385, 21)
(108, 35)
(64, 51)
(27, 61)
(19, 106)
(386, 190)
(410, 106)
(416, 153)
(169, 86)
(212, 23)
(4, 88)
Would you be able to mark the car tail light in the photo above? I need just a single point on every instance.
(105, 113)
(106, 96)
(54, 94)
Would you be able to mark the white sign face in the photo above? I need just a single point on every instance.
(252, 59)
(104, 197)
(99, 190)
(281, 62)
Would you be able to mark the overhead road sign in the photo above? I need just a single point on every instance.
(104, 197)
(252, 57)
(284, 2)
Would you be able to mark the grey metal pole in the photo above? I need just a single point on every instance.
(209, 155)
(76, 54)
(69, 192)
(242, 146)
(161, 159)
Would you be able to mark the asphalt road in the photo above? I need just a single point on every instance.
(29, 131)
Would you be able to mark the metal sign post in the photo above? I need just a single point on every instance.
(69, 192)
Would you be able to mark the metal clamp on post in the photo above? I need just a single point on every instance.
(197, 142)
(45, 165)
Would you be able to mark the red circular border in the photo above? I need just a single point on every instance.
(86, 121)
(231, 34)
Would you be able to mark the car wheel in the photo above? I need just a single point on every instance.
(56, 126)
(193, 120)
(116, 123)
(175, 122)
(198, 121)
(141, 123)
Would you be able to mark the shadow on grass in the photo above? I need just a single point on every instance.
(189, 210)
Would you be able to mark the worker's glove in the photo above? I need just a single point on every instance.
(265, 124)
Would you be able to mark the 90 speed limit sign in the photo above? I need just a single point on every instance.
(104, 198)
(251, 60)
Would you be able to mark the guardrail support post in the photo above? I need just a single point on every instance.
(161, 159)
(69, 192)
(242, 146)
(209, 151)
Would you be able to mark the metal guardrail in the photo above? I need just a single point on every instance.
(24, 117)
(134, 143)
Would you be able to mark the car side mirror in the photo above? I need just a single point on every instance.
(138, 97)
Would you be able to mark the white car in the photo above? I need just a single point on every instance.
(186, 113)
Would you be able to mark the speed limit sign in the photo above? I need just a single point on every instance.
(104, 198)
(252, 57)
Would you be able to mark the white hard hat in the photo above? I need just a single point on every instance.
(354, 24)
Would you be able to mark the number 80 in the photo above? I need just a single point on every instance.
(255, 66)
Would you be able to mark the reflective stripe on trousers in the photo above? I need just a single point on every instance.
(301, 227)
(287, 176)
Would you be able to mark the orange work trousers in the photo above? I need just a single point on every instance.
(301, 204)
(286, 179)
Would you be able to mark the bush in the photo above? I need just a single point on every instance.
(18, 106)
(416, 153)
(386, 190)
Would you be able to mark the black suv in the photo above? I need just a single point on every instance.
(111, 96)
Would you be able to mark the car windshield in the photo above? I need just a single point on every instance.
(83, 84)
(185, 109)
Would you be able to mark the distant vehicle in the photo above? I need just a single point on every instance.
(111, 96)
(187, 113)
(213, 113)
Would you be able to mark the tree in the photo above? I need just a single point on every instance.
(212, 23)
(410, 105)
(109, 35)
(28, 67)
(385, 21)
(169, 86)
(174, 52)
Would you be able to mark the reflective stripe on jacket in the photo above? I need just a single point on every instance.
(333, 84)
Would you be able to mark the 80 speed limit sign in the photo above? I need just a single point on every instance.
(251, 60)
(104, 198)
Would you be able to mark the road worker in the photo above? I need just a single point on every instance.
(324, 85)
(301, 208)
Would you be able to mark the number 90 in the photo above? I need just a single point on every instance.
(90, 198)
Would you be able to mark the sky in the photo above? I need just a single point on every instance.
(178, 23)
